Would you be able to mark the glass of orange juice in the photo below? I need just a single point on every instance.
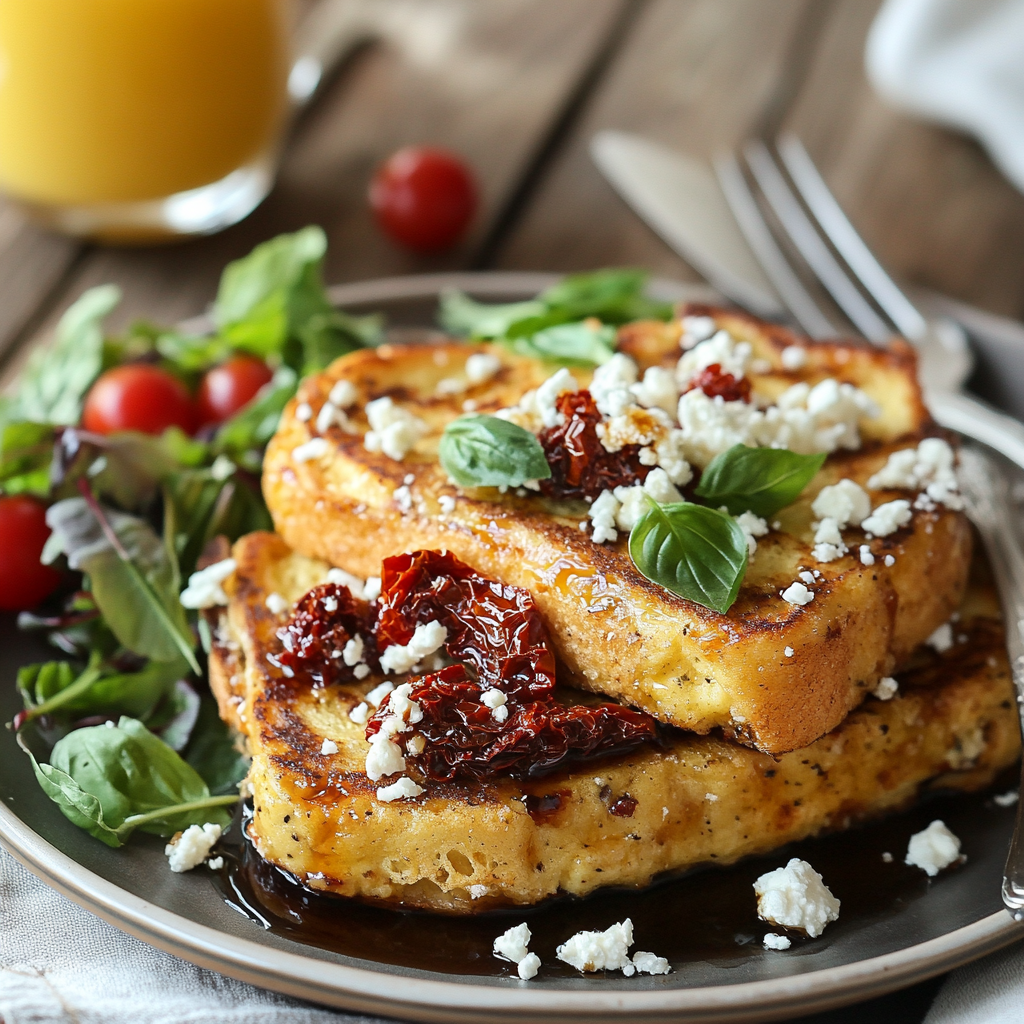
(140, 119)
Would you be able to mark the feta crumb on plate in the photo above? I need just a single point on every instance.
(513, 944)
(798, 594)
(773, 941)
(942, 639)
(933, 849)
(1006, 799)
(796, 897)
(190, 848)
(600, 951)
(648, 963)
(204, 588)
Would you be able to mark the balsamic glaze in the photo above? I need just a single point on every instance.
(707, 914)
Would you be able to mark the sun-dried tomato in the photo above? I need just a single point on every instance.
(716, 383)
(495, 629)
(581, 467)
(323, 622)
(496, 633)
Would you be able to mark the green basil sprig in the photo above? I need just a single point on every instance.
(111, 780)
(485, 451)
(758, 480)
(696, 552)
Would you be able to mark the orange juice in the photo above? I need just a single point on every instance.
(119, 101)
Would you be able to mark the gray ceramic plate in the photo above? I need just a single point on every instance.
(895, 928)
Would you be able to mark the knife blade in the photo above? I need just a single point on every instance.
(680, 198)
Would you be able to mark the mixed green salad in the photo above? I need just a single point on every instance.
(128, 454)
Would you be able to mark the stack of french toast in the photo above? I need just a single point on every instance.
(459, 697)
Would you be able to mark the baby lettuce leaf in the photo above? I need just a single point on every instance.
(696, 552)
(113, 779)
(614, 295)
(53, 386)
(758, 480)
(133, 576)
(212, 752)
(462, 316)
(26, 451)
(572, 344)
(485, 451)
(243, 437)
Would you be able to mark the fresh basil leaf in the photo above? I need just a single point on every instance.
(54, 383)
(460, 315)
(244, 436)
(696, 552)
(576, 344)
(113, 779)
(758, 480)
(485, 451)
(137, 594)
(213, 753)
(26, 451)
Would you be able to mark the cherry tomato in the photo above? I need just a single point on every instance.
(138, 397)
(226, 388)
(423, 197)
(24, 580)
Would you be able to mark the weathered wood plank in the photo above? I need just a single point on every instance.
(695, 75)
(484, 79)
(928, 200)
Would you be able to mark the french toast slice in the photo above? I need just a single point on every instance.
(614, 631)
(464, 846)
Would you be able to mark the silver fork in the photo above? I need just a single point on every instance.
(810, 220)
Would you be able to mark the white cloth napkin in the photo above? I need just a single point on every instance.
(958, 62)
(60, 964)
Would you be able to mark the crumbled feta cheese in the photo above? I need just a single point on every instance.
(361, 671)
(330, 603)
(1007, 799)
(866, 557)
(793, 357)
(360, 713)
(328, 747)
(371, 589)
(797, 593)
(846, 502)
(828, 541)
(402, 707)
(658, 390)
(496, 701)
(966, 749)
(353, 651)
(481, 366)
(788, 652)
(807, 577)
(752, 527)
(379, 692)
(600, 951)
(888, 518)
(696, 329)
(796, 897)
(428, 637)
(889, 561)
(942, 639)
(447, 504)
(928, 467)
(190, 848)
(215, 863)
(648, 963)
(450, 386)
(773, 941)
(547, 394)
(611, 383)
(204, 588)
(528, 967)
(513, 944)
(384, 757)
(394, 431)
(886, 689)
(314, 448)
(711, 797)
(403, 789)
(633, 500)
(403, 498)
(887, 858)
(304, 412)
(722, 348)
(933, 849)
(346, 579)
(343, 394)
(276, 603)
(603, 513)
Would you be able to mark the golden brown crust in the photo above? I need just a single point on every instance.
(462, 847)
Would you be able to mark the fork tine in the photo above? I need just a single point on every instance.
(843, 235)
(755, 229)
(808, 243)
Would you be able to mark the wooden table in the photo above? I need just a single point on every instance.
(518, 87)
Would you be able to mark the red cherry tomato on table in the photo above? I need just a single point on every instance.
(138, 397)
(228, 387)
(423, 197)
(24, 580)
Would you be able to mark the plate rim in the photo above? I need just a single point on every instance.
(447, 999)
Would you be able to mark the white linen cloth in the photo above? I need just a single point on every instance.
(60, 964)
(958, 62)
